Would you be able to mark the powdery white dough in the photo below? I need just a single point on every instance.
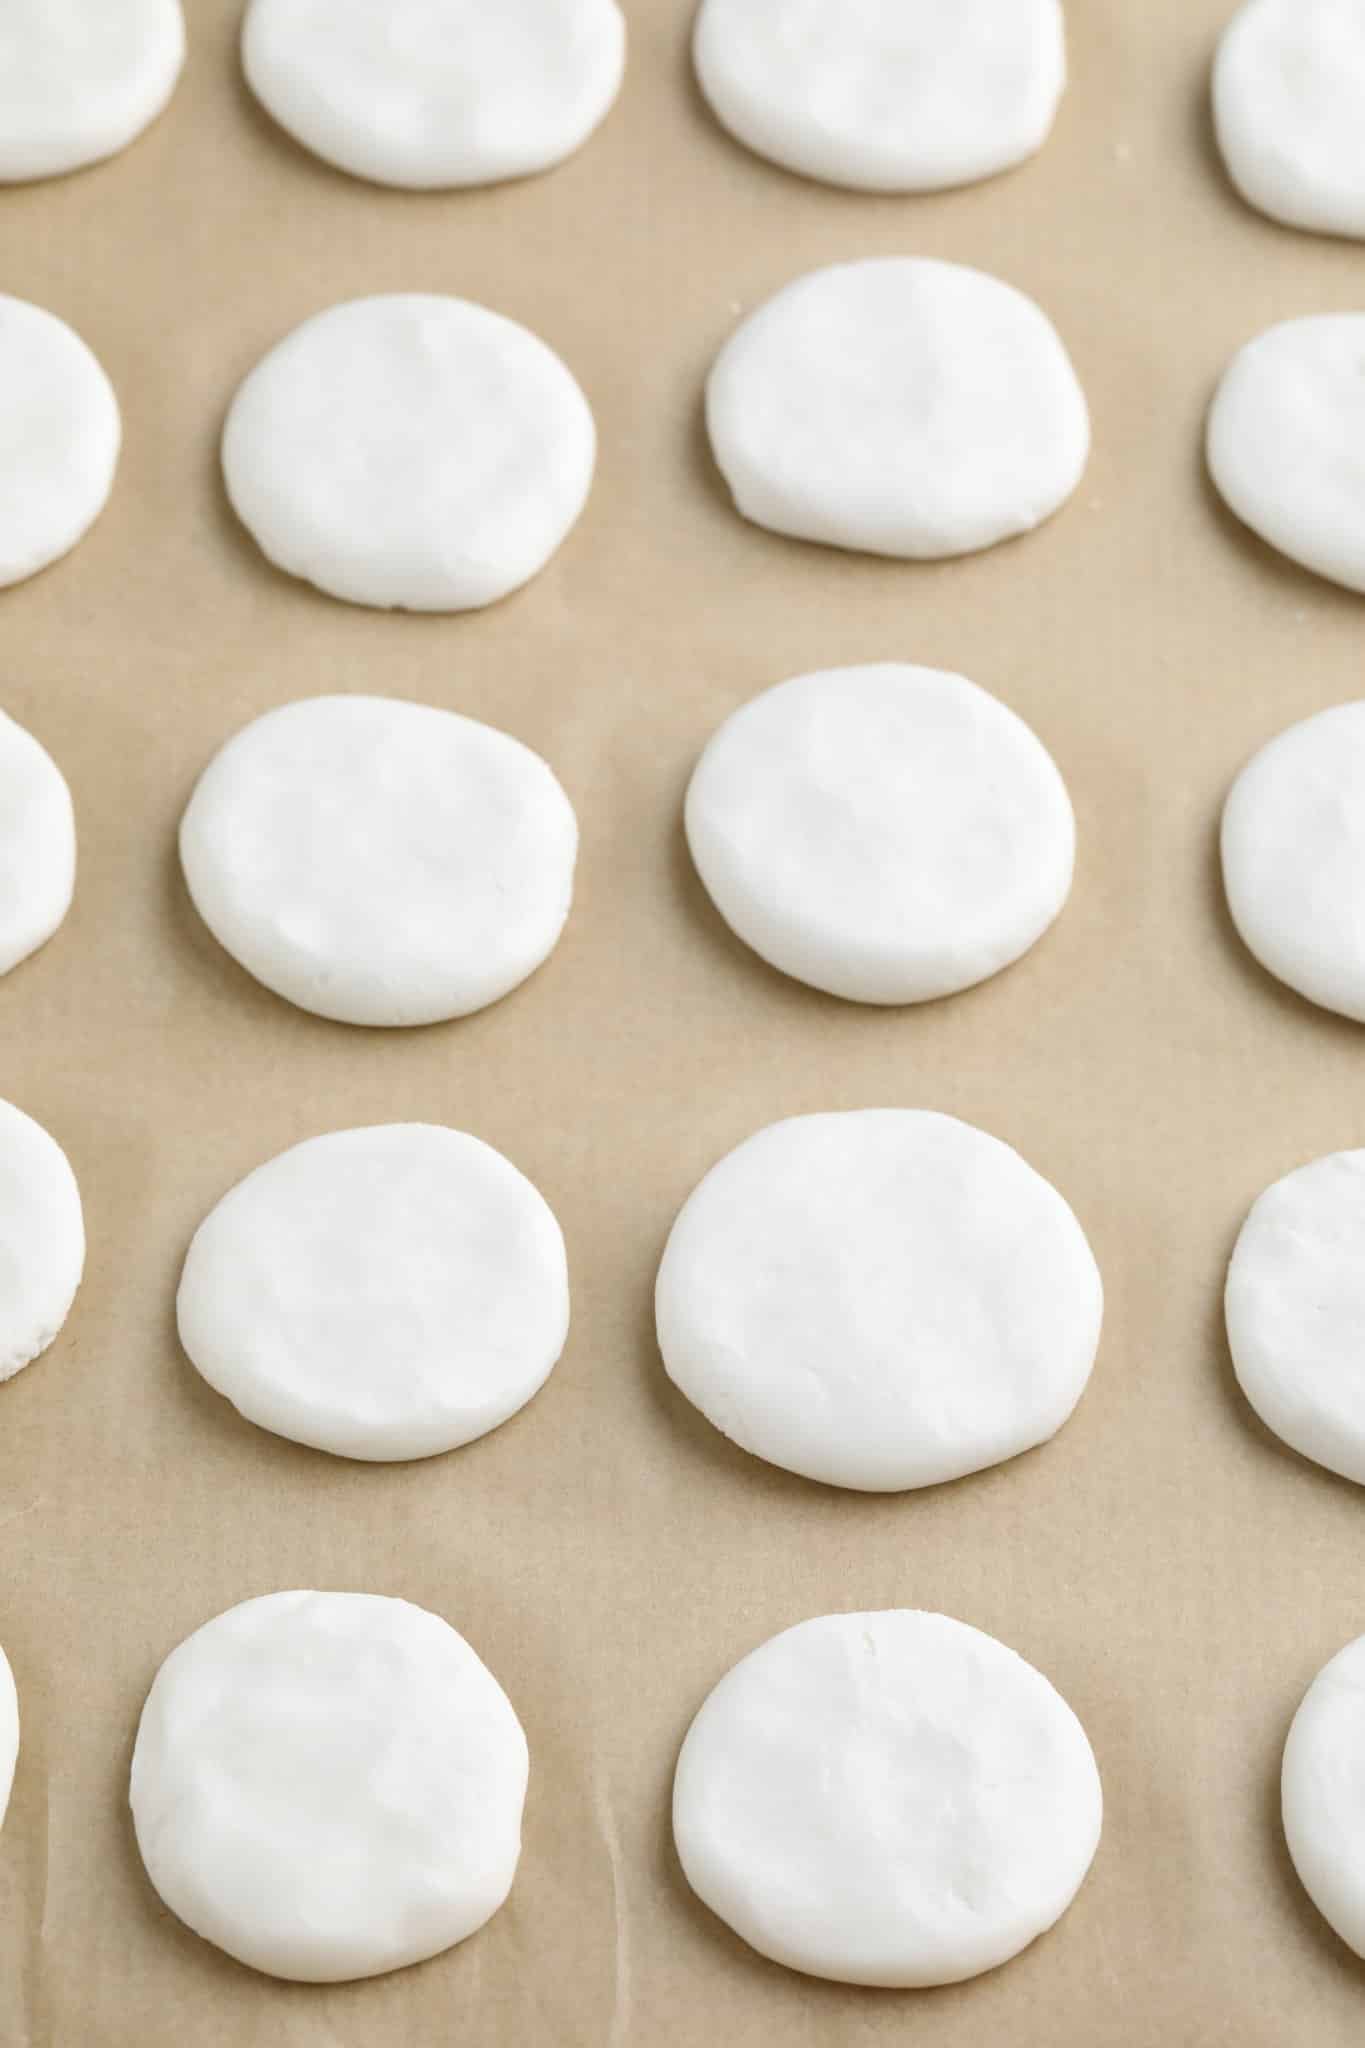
(891, 1799)
(879, 1299)
(430, 93)
(9, 1733)
(380, 862)
(888, 833)
(885, 95)
(329, 1785)
(382, 1293)
(37, 845)
(59, 439)
(1322, 1793)
(901, 406)
(80, 79)
(410, 452)
(1289, 107)
(42, 1240)
(1294, 857)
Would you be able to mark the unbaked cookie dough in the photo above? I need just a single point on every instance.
(410, 452)
(80, 79)
(1320, 1793)
(9, 1733)
(1294, 857)
(888, 833)
(1289, 106)
(900, 406)
(329, 1785)
(879, 1299)
(37, 845)
(891, 1799)
(59, 438)
(430, 93)
(885, 95)
(384, 1293)
(380, 862)
(42, 1240)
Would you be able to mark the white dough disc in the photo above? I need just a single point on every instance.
(882, 1298)
(1286, 442)
(431, 93)
(384, 1293)
(410, 452)
(887, 833)
(80, 79)
(1289, 107)
(1322, 1793)
(890, 1798)
(1294, 857)
(380, 862)
(42, 1239)
(900, 406)
(37, 845)
(885, 95)
(329, 1785)
(9, 1733)
(59, 439)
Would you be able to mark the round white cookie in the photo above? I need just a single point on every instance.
(887, 833)
(59, 438)
(80, 79)
(384, 1293)
(891, 1799)
(901, 406)
(42, 1239)
(879, 1299)
(1294, 857)
(37, 845)
(885, 95)
(329, 1785)
(1289, 107)
(1286, 442)
(9, 1733)
(410, 452)
(380, 862)
(431, 93)
(1322, 1793)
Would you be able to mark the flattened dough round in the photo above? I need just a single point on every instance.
(887, 833)
(1286, 442)
(885, 95)
(879, 1299)
(432, 93)
(37, 845)
(383, 1293)
(42, 1240)
(380, 862)
(1289, 107)
(80, 79)
(329, 1785)
(1294, 857)
(9, 1733)
(59, 439)
(900, 406)
(890, 1798)
(410, 452)
(1322, 1793)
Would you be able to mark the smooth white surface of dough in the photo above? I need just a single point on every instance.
(900, 406)
(380, 862)
(886, 833)
(329, 1785)
(432, 93)
(1293, 843)
(889, 1798)
(1322, 1793)
(410, 452)
(885, 95)
(80, 79)
(37, 845)
(9, 1733)
(42, 1239)
(1289, 107)
(879, 1299)
(59, 439)
(1286, 442)
(382, 1293)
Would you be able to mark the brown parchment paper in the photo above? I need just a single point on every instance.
(1177, 1573)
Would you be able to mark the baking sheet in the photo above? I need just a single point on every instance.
(1178, 1574)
